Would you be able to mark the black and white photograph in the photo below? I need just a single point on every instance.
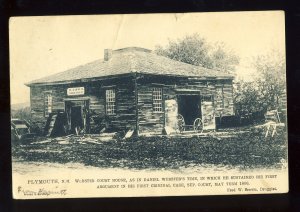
(132, 105)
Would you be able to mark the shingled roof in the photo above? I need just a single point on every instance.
(131, 60)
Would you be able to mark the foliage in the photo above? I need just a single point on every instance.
(223, 58)
(272, 78)
(264, 92)
(195, 50)
(247, 97)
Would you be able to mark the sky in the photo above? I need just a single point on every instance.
(44, 45)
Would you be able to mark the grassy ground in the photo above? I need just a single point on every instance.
(239, 149)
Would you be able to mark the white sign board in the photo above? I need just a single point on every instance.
(75, 91)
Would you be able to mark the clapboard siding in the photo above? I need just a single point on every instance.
(151, 122)
(148, 120)
(124, 118)
(134, 99)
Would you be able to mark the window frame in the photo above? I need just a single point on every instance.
(110, 102)
(157, 101)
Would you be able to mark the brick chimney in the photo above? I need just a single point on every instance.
(107, 54)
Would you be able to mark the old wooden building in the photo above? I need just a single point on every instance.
(132, 88)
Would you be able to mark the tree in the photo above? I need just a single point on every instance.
(223, 58)
(271, 81)
(263, 93)
(195, 50)
(247, 98)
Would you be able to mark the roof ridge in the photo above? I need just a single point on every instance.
(133, 61)
(132, 48)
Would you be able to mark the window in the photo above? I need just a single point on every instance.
(47, 103)
(157, 99)
(110, 102)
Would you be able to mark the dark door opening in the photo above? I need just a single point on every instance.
(77, 112)
(189, 106)
(76, 118)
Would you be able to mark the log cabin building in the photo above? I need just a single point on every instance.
(132, 88)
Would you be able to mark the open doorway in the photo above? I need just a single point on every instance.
(76, 118)
(189, 106)
(77, 112)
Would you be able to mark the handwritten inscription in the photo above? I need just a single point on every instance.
(42, 192)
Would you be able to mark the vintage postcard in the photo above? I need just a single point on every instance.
(148, 105)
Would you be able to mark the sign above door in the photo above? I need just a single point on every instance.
(75, 91)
